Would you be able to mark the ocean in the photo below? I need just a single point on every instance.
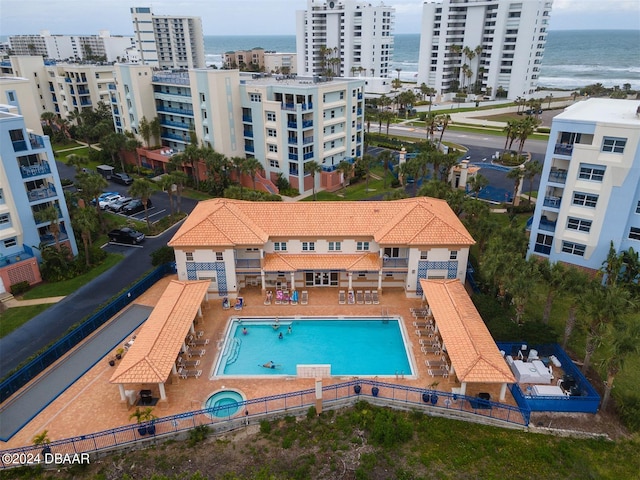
(572, 58)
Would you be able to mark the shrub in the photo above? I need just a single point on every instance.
(20, 287)
(198, 434)
(162, 255)
(312, 412)
(629, 409)
(395, 183)
(543, 130)
(265, 427)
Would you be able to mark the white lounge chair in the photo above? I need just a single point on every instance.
(359, 297)
(342, 298)
(374, 297)
(304, 297)
(351, 299)
(267, 298)
(367, 297)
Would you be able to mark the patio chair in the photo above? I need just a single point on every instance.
(351, 299)
(278, 297)
(199, 342)
(439, 372)
(359, 297)
(187, 363)
(146, 398)
(196, 351)
(367, 297)
(294, 297)
(342, 298)
(304, 297)
(225, 303)
(374, 297)
(239, 303)
(285, 297)
(267, 298)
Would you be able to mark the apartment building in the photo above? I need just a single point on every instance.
(103, 46)
(282, 121)
(168, 42)
(345, 38)
(492, 48)
(302, 245)
(590, 187)
(260, 60)
(29, 183)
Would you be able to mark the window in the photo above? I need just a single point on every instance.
(585, 199)
(614, 145)
(424, 255)
(634, 233)
(453, 255)
(637, 206)
(579, 224)
(271, 133)
(4, 218)
(189, 256)
(573, 248)
(274, 163)
(280, 246)
(271, 116)
(392, 252)
(362, 246)
(10, 242)
(273, 148)
(591, 173)
(308, 246)
(219, 257)
(255, 97)
(543, 244)
(335, 246)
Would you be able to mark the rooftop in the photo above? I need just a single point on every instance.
(603, 110)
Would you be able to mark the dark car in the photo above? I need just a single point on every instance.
(121, 178)
(126, 235)
(135, 206)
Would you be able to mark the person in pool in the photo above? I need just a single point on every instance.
(245, 331)
(289, 330)
(280, 336)
(269, 364)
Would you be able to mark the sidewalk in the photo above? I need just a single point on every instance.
(12, 303)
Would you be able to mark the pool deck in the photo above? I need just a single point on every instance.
(93, 404)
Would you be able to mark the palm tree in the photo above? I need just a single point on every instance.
(251, 166)
(143, 188)
(77, 161)
(511, 129)
(49, 118)
(145, 130)
(386, 157)
(477, 183)
(217, 166)
(531, 169)
(554, 275)
(621, 341)
(574, 284)
(86, 221)
(345, 168)
(50, 215)
(443, 121)
(527, 127)
(516, 175)
(410, 168)
(366, 162)
(91, 186)
(180, 180)
(156, 129)
(612, 266)
(431, 122)
(237, 163)
(519, 283)
(167, 185)
(312, 168)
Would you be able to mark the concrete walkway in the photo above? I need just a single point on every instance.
(12, 303)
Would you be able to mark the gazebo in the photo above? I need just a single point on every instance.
(151, 359)
(473, 353)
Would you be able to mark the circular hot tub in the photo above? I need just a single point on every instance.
(224, 403)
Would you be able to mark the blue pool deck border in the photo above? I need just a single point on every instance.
(289, 319)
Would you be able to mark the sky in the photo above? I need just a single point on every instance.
(263, 17)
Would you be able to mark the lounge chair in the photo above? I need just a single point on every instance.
(239, 303)
(187, 363)
(374, 297)
(196, 351)
(294, 297)
(285, 297)
(351, 299)
(367, 297)
(304, 297)
(278, 297)
(427, 349)
(438, 372)
(359, 297)
(184, 373)
(199, 342)
(342, 298)
(267, 298)
(225, 303)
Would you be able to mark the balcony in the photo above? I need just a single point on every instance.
(249, 148)
(546, 224)
(307, 123)
(389, 262)
(359, 95)
(36, 141)
(553, 202)
(292, 141)
(35, 170)
(247, 118)
(15, 258)
(307, 140)
(112, 87)
(68, 80)
(170, 123)
(173, 136)
(84, 102)
(558, 175)
(563, 149)
(307, 156)
(294, 106)
(248, 133)
(19, 146)
(293, 156)
(292, 124)
(48, 238)
(247, 263)
(42, 193)
(184, 111)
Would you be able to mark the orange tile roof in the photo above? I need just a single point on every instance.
(157, 345)
(282, 262)
(473, 353)
(413, 221)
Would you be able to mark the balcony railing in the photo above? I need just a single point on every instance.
(170, 123)
(307, 156)
(112, 87)
(19, 146)
(558, 176)
(553, 202)
(292, 124)
(563, 149)
(307, 140)
(173, 136)
(249, 148)
(184, 111)
(292, 141)
(395, 262)
(547, 225)
(247, 118)
(294, 106)
(248, 133)
(48, 238)
(248, 263)
(35, 170)
(42, 193)
(307, 123)
(293, 156)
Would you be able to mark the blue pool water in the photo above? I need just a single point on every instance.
(366, 347)
(226, 401)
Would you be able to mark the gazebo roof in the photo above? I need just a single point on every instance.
(154, 352)
(473, 353)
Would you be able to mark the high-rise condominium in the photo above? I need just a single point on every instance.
(167, 41)
(344, 38)
(493, 48)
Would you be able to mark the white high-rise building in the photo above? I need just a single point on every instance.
(493, 48)
(344, 38)
(168, 41)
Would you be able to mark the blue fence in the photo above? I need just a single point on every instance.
(23, 376)
(583, 398)
(226, 417)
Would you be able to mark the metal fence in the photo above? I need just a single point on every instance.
(295, 403)
(32, 369)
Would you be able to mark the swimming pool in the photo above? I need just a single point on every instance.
(226, 403)
(362, 347)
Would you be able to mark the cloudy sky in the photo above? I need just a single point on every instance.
(263, 17)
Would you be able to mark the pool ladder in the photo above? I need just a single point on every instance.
(233, 350)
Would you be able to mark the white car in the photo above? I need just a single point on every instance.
(108, 200)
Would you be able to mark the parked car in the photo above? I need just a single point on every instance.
(121, 178)
(108, 200)
(126, 235)
(103, 196)
(135, 206)
(118, 205)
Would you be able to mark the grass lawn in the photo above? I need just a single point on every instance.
(357, 191)
(56, 147)
(195, 194)
(70, 286)
(14, 317)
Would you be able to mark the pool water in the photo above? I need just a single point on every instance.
(366, 347)
(226, 402)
